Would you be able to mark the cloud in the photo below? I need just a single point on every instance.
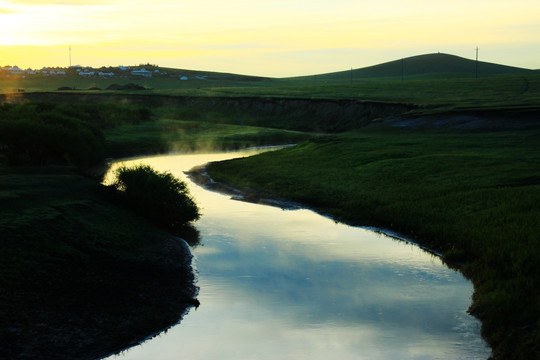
(62, 2)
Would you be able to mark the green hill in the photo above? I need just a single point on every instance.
(429, 66)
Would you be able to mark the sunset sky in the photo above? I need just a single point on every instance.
(265, 37)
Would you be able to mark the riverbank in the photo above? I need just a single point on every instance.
(363, 177)
(472, 196)
(200, 176)
(81, 276)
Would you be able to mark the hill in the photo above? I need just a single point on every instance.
(428, 66)
(196, 82)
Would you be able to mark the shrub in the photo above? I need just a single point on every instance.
(158, 196)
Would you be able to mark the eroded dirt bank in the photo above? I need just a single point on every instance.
(288, 113)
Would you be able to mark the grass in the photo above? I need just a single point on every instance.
(74, 262)
(505, 91)
(81, 275)
(436, 81)
(471, 195)
(434, 66)
(173, 135)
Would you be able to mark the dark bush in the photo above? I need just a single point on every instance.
(158, 196)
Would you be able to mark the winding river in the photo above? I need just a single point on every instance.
(292, 284)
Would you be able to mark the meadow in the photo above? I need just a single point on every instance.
(77, 256)
(470, 194)
(174, 135)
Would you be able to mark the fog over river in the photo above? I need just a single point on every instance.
(292, 284)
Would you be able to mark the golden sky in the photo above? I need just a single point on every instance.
(265, 37)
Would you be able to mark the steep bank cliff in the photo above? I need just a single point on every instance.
(287, 113)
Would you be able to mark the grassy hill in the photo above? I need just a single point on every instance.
(428, 66)
(421, 67)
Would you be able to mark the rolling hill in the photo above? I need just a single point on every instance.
(428, 66)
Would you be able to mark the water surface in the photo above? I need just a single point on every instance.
(291, 284)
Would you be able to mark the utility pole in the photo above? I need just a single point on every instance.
(402, 68)
(476, 67)
(69, 55)
(351, 75)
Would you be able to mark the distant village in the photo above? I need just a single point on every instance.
(140, 71)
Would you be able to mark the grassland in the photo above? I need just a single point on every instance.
(434, 82)
(471, 195)
(81, 275)
(507, 91)
(174, 135)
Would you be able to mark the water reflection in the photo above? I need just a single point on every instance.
(278, 284)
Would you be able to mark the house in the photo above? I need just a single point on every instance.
(105, 74)
(86, 72)
(16, 70)
(184, 78)
(142, 72)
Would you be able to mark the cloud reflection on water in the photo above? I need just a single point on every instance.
(281, 284)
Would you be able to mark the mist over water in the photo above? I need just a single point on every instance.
(291, 284)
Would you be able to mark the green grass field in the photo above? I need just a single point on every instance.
(77, 266)
(436, 82)
(505, 91)
(471, 195)
(172, 135)
(81, 276)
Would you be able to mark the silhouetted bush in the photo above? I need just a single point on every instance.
(158, 196)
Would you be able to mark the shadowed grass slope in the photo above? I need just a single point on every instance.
(81, 276)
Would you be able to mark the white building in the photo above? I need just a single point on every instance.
(142, 72)
(16, 70)
(87, 73)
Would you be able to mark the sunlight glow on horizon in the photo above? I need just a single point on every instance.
(264, 37)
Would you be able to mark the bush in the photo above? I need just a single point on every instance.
(158, 196)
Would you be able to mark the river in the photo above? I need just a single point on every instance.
(292, 284)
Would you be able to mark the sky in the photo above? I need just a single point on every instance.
(276, 38)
